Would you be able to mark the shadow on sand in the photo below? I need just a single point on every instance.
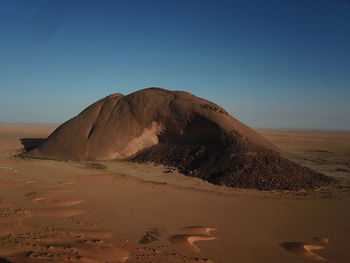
(31, 143)
(3, 260)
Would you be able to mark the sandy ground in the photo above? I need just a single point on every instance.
(53, 211)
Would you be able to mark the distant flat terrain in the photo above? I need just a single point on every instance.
(324, 151)
(53, 211)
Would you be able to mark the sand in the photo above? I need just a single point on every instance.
(52, 211)
(190, 235)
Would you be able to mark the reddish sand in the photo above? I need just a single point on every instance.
(52, 211)
(303, 250)
(191, 235)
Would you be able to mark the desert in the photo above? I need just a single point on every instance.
(83, 211)
(187, 131)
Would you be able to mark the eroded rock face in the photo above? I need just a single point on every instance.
(179, 129)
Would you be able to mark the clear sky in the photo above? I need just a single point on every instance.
(270, 63)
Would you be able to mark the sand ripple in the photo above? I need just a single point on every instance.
(303, 249)
(192, 234)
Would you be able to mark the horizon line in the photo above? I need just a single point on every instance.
(252, 127)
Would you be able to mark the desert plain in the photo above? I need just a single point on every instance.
(117, 211)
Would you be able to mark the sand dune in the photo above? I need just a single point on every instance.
(304, 250)
(64, 246)
(192, 234)
(198, 230)
(58, 203)
(323, 240)
(187, 241)
(53, 191)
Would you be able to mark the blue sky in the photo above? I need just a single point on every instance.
(272, 63)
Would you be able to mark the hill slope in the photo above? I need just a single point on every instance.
(179, 129)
